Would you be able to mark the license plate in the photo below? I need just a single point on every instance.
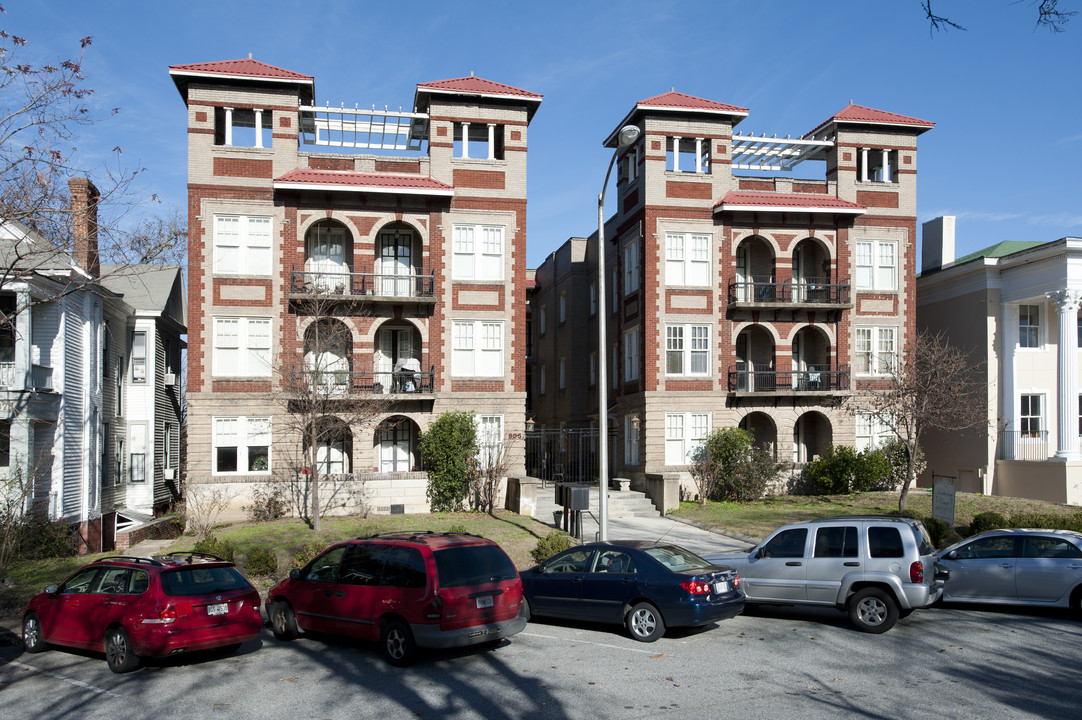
(485, 601)
(219, 609)
(721, 587)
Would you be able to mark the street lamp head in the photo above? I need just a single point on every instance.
(628, 134)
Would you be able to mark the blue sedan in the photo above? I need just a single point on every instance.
(641, 585)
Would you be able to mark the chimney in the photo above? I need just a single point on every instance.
(84, 224)
(937, 243)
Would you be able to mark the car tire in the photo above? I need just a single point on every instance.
(873, 610)
(119, 655)
(283, 621)
(33, 637)
(397, 643)
(524, 609)
(644, 623)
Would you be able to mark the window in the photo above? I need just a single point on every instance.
(242, 245)
(243, 127)
(242, 347)
(167, 450)
(1046, 547)
(631, 354)
(877, 165)
(139, 357)
(999, 546)
(787, 544)
(1030, 416)
(684, 433)
(687, 259)
(690, 155)
(836, 542)
(118, 458)
(593, 382)
(490, 439)
(242, 445)
(631, 441)
(478, 252)
(477, 348)
(885, 542)
(593, 306)
(481, 141)
(687, 349)
(1029, 326)
(631, 267)
(875, 350)
(137, 442)
(876, 265)
(871, 432)
(563, 307)
(119, 386)
(563, 374)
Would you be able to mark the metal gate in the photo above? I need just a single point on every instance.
(564, 455)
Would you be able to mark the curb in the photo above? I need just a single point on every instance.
(717, 531)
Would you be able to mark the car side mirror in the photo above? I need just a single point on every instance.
(952, 555)
(760, 553)
(50, 589)
(294, 574)
(539, 568)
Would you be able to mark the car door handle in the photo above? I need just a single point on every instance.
(340, 594)
(851, 564)
(794, 563)
(1005, 565)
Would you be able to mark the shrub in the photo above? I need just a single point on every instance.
(41, 538)
(843, 470)
(729, 467)
(457, 528)
(987, 521)
(306, 553)
(261, 560)
(215, 546)
(941, 532)
(1047, 521)
(549, 545)
(269, 502)
(447, 448)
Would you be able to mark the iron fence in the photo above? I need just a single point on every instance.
(565, 454)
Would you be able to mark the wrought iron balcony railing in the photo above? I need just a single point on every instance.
(377, 285)
(806, 292)
(788, 381)
(347, 382)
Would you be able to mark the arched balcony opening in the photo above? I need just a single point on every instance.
(328, 253)
(812, 436)
(813, 275)
(755, 272)
(397, 360)
(327, 356)
(755, 363)
(811, 360)
(763, 431)
(395, 445)
(334, 446)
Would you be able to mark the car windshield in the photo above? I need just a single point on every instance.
(677, 559)
(190, 581)
(473, 565)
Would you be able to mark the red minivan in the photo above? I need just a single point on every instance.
(405, 590)
(132, 607)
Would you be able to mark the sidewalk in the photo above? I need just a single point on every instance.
(690, 537)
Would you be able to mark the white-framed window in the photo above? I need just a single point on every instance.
(478, 252)
(875, 349)
(489, 438)
(167, 450)
(687, 259)
(563, 308)
(1029, 326)
(139, 357)
(563, 374)
(687, 349)
(684, 433)
(118, 379)
(118, 458)
(242, 347)
(631, 266)
(593, 304)
(631, 354)
(876, 265)
(242, 245)
(137, 460)
(871, 432)
(242, 445)
(477, 348)
(631, 441)
(1031, 415)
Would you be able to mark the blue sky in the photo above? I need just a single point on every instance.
(1004, 156)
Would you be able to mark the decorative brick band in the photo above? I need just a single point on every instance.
(238, 167)
(488, 179)
(688, 190)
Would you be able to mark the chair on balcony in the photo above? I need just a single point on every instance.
(407, 375)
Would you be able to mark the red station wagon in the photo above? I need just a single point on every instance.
(133, 607)
(430, 590)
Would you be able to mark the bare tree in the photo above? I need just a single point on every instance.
(489, 469)
(934, 387)
(1049, 16)
(328, 402)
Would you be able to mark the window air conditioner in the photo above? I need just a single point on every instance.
(170, 379)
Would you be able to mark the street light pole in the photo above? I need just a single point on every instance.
(628, 135)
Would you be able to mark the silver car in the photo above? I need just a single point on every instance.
(1016, 567)
(876, 567)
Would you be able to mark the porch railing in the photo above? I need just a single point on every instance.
(1021, 445)
(321, 282)
(788, 380)
(347, 382)
(793, 292)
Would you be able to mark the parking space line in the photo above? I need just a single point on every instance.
(71, 681)
(590, 642)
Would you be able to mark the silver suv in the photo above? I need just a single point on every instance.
(876, 567)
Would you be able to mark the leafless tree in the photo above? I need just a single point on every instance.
(328, 402)
(1049, 16)
(488, 470)
(202, 510)
(934, 387)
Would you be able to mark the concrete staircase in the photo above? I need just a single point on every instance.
(622, 504)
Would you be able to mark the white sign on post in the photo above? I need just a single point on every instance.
(943, 501)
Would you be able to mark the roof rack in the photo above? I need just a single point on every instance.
(864, 517)
(127, 558)
(187, 555)
(414, 535)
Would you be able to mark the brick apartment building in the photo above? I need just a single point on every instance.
(409, 228)
(739, 295)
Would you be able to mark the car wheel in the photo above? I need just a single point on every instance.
(119, 655)
(283, 621)
(398, 645)
(644, 623)
(873, 610)
(524, 609)
(33, 639)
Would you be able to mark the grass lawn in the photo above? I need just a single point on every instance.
(760, 518)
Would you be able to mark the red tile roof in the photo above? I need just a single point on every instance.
(477, 86)
(244, 68)
(782, 202)
(868, 116)
(362, 182)
(679, 101)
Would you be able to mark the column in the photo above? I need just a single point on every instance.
(886, 166)
(491, 141)
(1067, 303)
(229, 126)
(698, 155)
(864, 164)
(465, 139)
(258, 128)
(676, 154)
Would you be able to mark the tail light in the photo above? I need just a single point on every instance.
(736, 580)
(434, 608)
(165, 616)
(696, 587)
(916, 572)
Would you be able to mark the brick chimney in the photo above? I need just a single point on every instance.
(84, 224)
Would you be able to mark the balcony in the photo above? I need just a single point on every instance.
(347, 383)
(808, 293)
(1030, 446)
(788, 382)
(419, 288)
